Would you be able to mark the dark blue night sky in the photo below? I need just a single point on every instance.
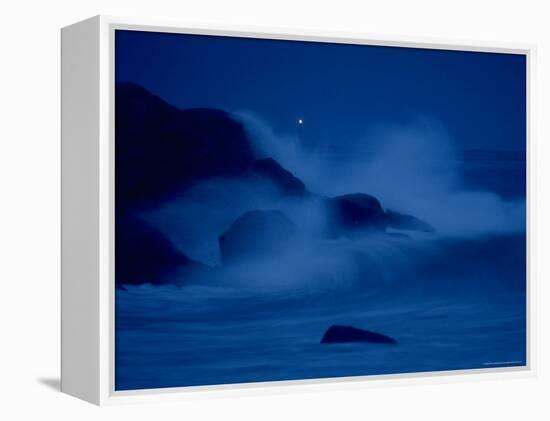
(340, 90)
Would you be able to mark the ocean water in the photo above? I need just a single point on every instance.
(452, 301)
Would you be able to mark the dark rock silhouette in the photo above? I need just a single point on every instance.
(143, 255)
(257, 234)
(354, 213)
(345, 334)
(407, 222)
(360, 213)
(282, 179)
(160, 149)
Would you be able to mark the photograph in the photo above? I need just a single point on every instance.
(307, 210)
(280, 210)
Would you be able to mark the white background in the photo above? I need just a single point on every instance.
(30, 177)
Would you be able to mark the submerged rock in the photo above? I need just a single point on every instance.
(406, 222)
(352, 213)
(360, 213)
(257, 234)
(345, 334)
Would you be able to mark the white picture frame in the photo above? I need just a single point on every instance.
(88, 213)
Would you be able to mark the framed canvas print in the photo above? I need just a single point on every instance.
(251, 209)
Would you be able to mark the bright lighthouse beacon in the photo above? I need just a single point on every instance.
(300, 123)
